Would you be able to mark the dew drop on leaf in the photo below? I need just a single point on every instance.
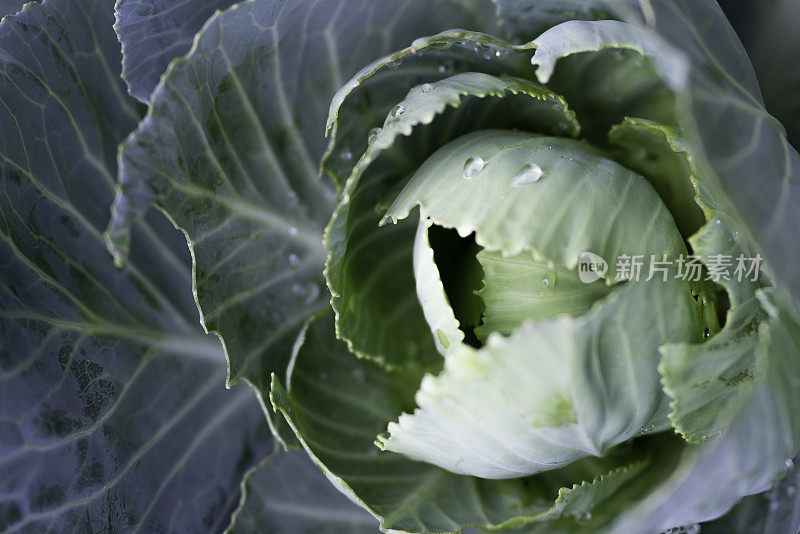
(528, 174)
(398, 110)
(426, 88)
(445, 67)
(473, 167)
(373, 134)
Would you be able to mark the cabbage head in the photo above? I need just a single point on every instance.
(488, 265)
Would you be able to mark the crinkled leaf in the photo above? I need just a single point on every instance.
(576, 201)
(370, 268)
(648, 148)
(9, 7)
(233, 168)
(337, 404)
(288, 494)
(709, 382)
(524, 21)
(153, 33)
(748, 456)
(554, 391)
(113, 402)
(364, 101)
(578, 37)
(607, 85)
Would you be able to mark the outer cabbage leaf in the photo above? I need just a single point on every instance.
(287, 494)
(768, 34)
(153, 33)
(113, 402)
(776, 511)
(524, 21)
(9, 7)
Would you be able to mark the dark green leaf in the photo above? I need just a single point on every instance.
(153, 33)
(113, 404)
(288, 494)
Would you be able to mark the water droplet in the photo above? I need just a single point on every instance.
(546, 282)
(736, 236)
(473, 167)
(292, 231)
(293, 259)
(398, 110)
(528, 174)
(347, 155)
(648, 428)
(373, 134)
(789, 463)
(497, 53)
(445, 66)
(426, 88)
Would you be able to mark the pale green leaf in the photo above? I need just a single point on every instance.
(577, 200)
(748, 456)
(709, 382)
(431, 294)
(648, 148)
(338, 403)
(554, 391)
(776, 511)
(519, 288)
